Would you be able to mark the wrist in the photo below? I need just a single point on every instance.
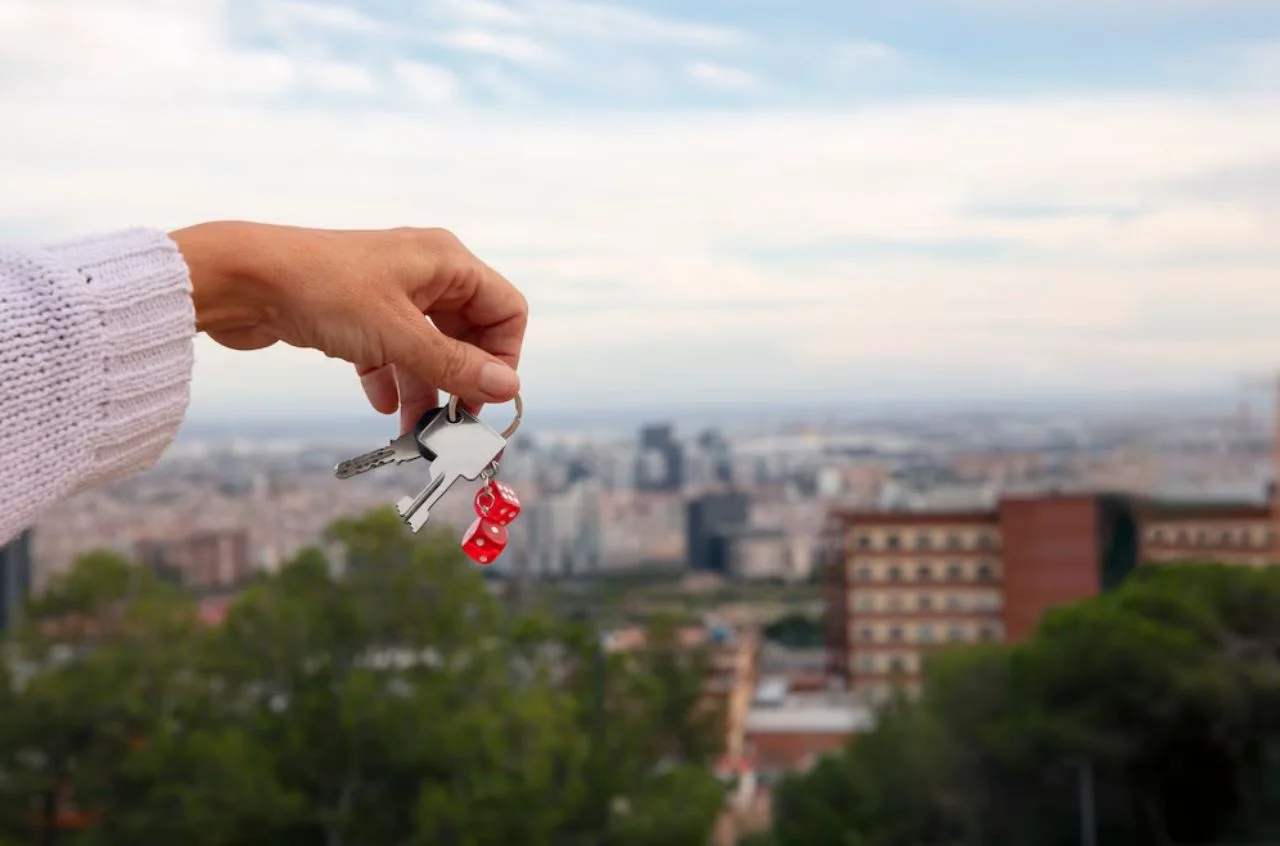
(224, 261)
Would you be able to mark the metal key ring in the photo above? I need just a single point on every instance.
(452, 412)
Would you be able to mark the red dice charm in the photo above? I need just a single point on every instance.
(497, 503)
(484, 541)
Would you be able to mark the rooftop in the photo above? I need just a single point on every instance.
(811, 714)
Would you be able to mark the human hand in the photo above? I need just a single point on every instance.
(362, 296)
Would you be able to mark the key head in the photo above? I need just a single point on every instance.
(462, 449)
(423, 422)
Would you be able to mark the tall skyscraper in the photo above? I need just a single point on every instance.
(710, 520)
(660, 464)
(15, 579)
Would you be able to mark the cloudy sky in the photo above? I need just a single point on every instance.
(802, 201)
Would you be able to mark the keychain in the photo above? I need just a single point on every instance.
(456, 445)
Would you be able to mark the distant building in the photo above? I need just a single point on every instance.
(715, 459)
(786, 732)
(202, 560)
(660, 462)
(1243, 534)
(901, 584)
(15, 579)
(710, 520)
(755, 553)
(557, 534)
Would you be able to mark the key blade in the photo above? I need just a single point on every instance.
(400, 450)
(364, 463)
(416, 510)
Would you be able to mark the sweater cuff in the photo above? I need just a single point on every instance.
(141, 287)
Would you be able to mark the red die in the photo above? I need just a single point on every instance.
(497, 503)
(484, 541)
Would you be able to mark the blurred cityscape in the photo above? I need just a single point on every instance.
(744, 506)
(822, 561)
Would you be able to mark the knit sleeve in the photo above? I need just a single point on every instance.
(95, 362)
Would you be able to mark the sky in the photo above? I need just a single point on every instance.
(805, 202)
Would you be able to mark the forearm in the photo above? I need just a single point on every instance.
(95, 363)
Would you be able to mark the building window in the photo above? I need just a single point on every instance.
(1182, 537)
(864, 541)
(1224, 538)
(985, 573)
(925, 602)
(892, 542)
(865, 603)
(895, 603)
(953, 541)
(895, 634)
(1157, 536)
(867, 664)
(923, 541)
(864, 574)
(895, 573)
(897, 665)
(866, 635)
(955, 634)
(925, 634)
(1202, 538)
(924, 572)
(955, 602)
(988, 634)
(986, 542)
(955, 572)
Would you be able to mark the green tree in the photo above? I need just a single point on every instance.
(797, 631)
(1164, 693)
(382, 695)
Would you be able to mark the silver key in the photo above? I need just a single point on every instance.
(464, 449)
(403, 448)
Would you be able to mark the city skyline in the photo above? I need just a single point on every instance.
(354, 420)
(706, 202)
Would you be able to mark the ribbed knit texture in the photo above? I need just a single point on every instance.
(95, 363)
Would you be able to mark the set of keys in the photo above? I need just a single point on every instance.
(457, 445)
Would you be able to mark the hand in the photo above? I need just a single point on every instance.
(361, 296)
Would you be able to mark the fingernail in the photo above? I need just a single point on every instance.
(497, 380)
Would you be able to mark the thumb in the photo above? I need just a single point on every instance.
(453, 366)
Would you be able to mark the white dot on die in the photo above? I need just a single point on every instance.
(479, 541)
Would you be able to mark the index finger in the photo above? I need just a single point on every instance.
(477, 304)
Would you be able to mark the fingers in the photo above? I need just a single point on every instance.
(417, 397)
(456, 367)
(479, 300)
(379, 385)
(389, 388)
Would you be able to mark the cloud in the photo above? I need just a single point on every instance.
(857, 55)
(325, 15)
(1130, 11)
(514, 48)
(430, 84)
(480, 12)
(724, 77)
(1038, 244)
(618, 23)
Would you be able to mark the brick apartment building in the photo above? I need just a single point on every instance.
(902, 584)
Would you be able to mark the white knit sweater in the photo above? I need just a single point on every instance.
(95, 362)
